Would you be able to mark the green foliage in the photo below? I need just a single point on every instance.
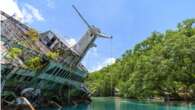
(162, 64)
(53, 55)
(34, 63)
(14, 53)
(33, 34)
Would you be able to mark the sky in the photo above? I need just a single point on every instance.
(128, 21)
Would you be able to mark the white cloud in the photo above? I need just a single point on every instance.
(29, 10)
(10, 7)
(107, 62)
(67, 40)
(71, 41)
(26, 13)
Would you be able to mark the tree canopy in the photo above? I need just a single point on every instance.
(161, 65)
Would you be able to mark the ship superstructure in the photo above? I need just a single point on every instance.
(45, 66)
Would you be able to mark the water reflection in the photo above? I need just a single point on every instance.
(125, 104)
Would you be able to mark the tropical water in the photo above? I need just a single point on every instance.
(111, 103)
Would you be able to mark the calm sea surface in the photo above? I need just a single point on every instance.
(111, 103)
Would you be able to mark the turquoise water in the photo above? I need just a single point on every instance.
(111, 103)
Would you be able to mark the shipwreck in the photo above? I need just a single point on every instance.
(41, 67)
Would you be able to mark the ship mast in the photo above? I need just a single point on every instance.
(87, 41)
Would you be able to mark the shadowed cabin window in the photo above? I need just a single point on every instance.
(56, 72)
(50, 71)
(60, 72)
(63, 73)
(66, 74)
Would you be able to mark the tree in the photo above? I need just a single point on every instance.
(161, 65)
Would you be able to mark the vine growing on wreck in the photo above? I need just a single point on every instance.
(52, 55)
(34, 63)
(33, 34)
(13, 53)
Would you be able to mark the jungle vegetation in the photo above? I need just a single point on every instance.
(162, 65)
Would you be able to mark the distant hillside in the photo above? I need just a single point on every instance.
(162, 65)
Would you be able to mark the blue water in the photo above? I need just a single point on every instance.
(110, 103)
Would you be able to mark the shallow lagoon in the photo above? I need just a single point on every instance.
(112, 103)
